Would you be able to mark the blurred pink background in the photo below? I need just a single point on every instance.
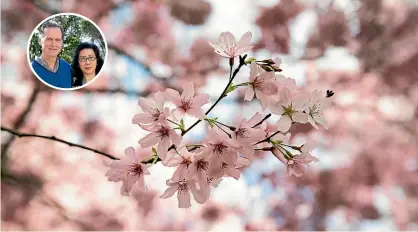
(364, 50)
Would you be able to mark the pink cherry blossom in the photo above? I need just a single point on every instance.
(296, 165)
(220, 147)
(183, 189)
(182, 159)
(153, 110)
(228, 169)
(261, 85)
(189, 102)
(291, 110)
(129, 170)
(317, 104)
(246, 136)
(228, 47)
(200, 167)
(208, 182)
(162, 134)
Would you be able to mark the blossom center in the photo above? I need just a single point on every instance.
(220, 148)
(230, 49)
(155, 114)
(135, 169)
(202, 165)
(243, 133)
(186, 104)
(163, 132)
(315, 110)
(183, 187)
(186, 161)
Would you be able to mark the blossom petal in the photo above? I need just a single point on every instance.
(197, 112)
(200, 196)
(300, 117)
(173, 96)
(253, 71)
(184, 199)
(130, 152)
(175, 138)
(233, 172)
(284, 123)
(249, 94)
(142, 118)
(146, 104)
(188, 91)
(245, 40)
(200, 100)
(149, 140)
(169, 192)
(162, 148)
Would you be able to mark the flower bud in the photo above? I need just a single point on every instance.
(269, 61)
(276, 68)
(268, 68)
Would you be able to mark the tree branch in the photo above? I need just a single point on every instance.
(21, 135)
(223, 94)
(20, 120)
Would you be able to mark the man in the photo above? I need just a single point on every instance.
(48, 66)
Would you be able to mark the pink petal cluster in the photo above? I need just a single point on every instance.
(225, 149)
(129, 170)
(227, 46)
(188, 103)
(261, 84)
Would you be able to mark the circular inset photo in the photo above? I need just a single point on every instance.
(67, 51)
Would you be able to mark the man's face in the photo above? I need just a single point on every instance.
(51, 42)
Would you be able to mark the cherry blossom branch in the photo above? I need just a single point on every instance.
(53, 138)
(268, 138)
(21, 135)
(262, 120)
(223, 94)
(20, 120)
(265, 149)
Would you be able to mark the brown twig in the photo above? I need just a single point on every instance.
(21, 135)
(20, 120)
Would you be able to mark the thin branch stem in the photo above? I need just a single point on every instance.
(268, 138)
(173, 122)
(229, 135)
(262, 120)
(265, 149)
(21, 135)
(242, 62)
(232, 128)
(20, 120)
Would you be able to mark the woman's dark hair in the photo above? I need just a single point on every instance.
(77, 73)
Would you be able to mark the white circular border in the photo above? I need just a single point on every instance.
(74, 14)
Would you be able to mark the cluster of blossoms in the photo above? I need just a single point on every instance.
(226, 148)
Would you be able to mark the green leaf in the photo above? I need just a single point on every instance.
(276, 142)
(154, 151)
(211, 121)
(231, 88)
(182, 125)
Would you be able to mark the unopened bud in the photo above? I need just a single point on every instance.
(269, 61)
(268, 68)
(276, 68)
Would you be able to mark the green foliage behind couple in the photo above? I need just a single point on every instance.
(76, 30)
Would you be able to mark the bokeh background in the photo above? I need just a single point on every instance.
(366, 51)
(76, 30)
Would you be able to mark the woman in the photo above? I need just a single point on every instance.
(86, 64)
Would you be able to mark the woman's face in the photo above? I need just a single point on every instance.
(87, 61)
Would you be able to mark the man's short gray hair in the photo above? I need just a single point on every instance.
(50, 24)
